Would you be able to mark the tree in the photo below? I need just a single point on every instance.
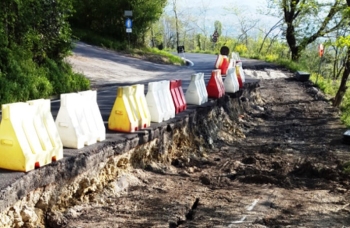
(345, 42)
(201, 23)
(307, 20)
(218, 27)
(106, 17)
(245, 22)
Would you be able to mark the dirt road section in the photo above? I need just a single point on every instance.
(281, 168)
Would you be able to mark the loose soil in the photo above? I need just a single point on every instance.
(285, 171)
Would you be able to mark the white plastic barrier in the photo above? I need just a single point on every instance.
(163, 101)
(93, 114)
(203, 88)
(232, 63)
(141, 104)
(46, 129)
(165, 87)
(194, 93)
(72, 124)
(241, 72)
(231, 82)
(154, 103)
(235, 56)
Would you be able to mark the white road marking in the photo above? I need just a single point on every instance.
(249, 208)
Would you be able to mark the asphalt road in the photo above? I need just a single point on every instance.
(107, 70)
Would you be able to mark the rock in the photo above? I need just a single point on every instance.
(184, 174)
(55, 219)
(28, 215)
(190, 170)
(341, 190)
(71, 213)
(204, 179)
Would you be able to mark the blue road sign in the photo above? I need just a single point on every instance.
(128, 23)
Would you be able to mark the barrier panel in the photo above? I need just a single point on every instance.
(218, 72)
(239, 78)
(177, 96)
(144, 116)
(232, 64)
(165, 87)
(71, 122)
(93, 115)
(45, 124)
(203, 87)
(218, 61)
(215, 85)
(163, 101)
(231, 83)
(154, 103)
(194, 94)
(222, 62)
(241, 72)
(26, 142)
(123, 117)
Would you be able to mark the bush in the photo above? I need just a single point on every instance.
(22, 79)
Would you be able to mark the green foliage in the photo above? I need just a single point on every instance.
(106, 17)
(346, 167)
(99, 40)
(241, 49)
(63, 79)
(35, 36)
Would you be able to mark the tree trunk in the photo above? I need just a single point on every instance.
(342, 88)
(292, 43)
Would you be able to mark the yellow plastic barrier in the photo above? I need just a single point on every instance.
(25, 143)
(123, 115)
(144, 116)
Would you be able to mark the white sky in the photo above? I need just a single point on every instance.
(217, 10)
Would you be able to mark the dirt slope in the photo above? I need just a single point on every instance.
(284, 170)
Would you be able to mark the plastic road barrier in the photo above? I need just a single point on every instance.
(231, 82)
(194, 94)
(93, 114)
(232, 64)
(165, 87)
(45, 123)
(123, 116)
(28, 138)
(154, 103)
(241, 72)
(177, 96)
(163, 101)
(214, 87)
(239, 77)
(218, 61)
(222, 62)
(143, 114)
(221, 82)
(72, 124)
(203, 88)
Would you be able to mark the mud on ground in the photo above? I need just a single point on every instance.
(283, 168)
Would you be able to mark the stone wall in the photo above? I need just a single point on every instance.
(39, 198)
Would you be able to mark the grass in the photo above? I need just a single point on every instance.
(156, 55)
(148, 54)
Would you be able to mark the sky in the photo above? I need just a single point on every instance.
(221, 10)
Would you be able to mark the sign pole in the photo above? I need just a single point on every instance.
(320, 53)
(128, 24)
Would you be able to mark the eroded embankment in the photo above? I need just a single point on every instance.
(41, 197)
